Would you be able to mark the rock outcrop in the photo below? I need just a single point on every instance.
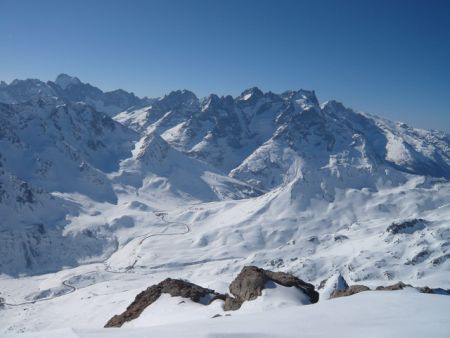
(173, 287)
(407, 227)
(353, 289)
(349, 291)
(250, 282)
(248, 285)
(393, 287)
(421, 289)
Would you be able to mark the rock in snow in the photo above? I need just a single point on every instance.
(252, 280)
(247, 286)
(173, 287)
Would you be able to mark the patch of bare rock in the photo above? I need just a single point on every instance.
(250, 282)
(248, 285)
(173, 287)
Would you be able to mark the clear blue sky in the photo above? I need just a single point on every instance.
(391, 57)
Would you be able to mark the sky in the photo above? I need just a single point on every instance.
(390, 58)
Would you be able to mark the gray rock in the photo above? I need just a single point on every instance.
(393, 287)
(246, 286)
(252, 280)
(173, 287)
(407, 227)
(351, 290)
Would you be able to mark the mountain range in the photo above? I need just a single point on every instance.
(275, 180)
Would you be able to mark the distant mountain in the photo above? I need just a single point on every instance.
(265, 139)
(70, 89)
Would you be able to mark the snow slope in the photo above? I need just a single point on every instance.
(389, 314)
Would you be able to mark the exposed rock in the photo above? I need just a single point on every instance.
(422, 289)
(246, 286)
(232, 304)
(351, 290)
(393, 287)
(173, 287)
(340, 238)
(440, 259)
(407, 227)
(436, 291)
(322, 284)
(252, 280)
(419, 258)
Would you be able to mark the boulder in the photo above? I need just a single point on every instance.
(250, 282)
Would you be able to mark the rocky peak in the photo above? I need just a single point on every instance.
(64, 81)
(302, 97)
(178, 99)
(219, 106)
(152, 148)
(251, 95)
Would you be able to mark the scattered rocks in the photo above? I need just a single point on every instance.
(424, 289)
(342, 289)
(173, 287)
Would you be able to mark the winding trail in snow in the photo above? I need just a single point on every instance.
(72, 288)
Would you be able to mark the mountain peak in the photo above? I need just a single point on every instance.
(251, 93)
(64, 80)
(152, 148)
(180, 95)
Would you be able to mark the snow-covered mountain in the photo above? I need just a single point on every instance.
(265, 139)
(71, 89)
(197, 188)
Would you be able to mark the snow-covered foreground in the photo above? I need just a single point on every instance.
(209, 243)
(399, 314)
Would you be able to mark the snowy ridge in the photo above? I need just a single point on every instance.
(70, 88)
